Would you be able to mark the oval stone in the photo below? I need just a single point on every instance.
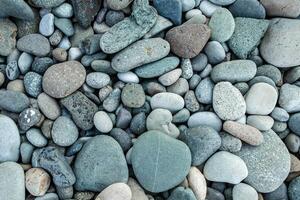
(170, 101)
(61, 80)
(19, 99)
(35, 44)
(287, 8)
(159, 161)
(140, 53)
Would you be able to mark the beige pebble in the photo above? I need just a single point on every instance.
(116, 191)
(295, 164)
(60, 54)
(37, 181)
(137, 191)
(2, 79)
(16, 85)
(197, 183)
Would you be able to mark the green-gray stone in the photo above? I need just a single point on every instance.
(157, 68)
(133, 95)
(182, 193)
(8, 33)
(100, 163)
(47, 3)
(160, 25)
(247, 35)
(16, 8)
(130, 29)
(222, 25)
(159, 161)
(65, 25)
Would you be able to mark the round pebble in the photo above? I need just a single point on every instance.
(133, 95)
(37, 181)
(116, 191)
(103, 122)
(64, 131)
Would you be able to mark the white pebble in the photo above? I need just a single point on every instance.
(74, 53)
(208, 8)
(46, 26)
(128, 77)
(103, 122)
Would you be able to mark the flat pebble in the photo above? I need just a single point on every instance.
(133, 95)
(35, 44)
(222, 2)
(281, 8)
(262, 123)
(248, 9)
(37, 181)
(205, 118)
(8, 33)
(170, 101)
(46, 27)
(64, 131)
(128, 77)
(122, 137)
(170, 77)
(243, 191)
(19, 9)
(103, 122)
(97, 80)
(116, 191)
(21, 101)
(171, 9)
(48, 106)
(36, 138)
(199, 62)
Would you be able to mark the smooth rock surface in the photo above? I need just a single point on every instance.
(288, 8)
(205, 118)
(166, 100)
(35, 44)
(243, 191)
(102, 122)
(37, 181)
(289, 97)
(64, 131)
(171, 9)
(17, 8)
(116, 191)
(8, 32)
(21, 101)
(197, 183)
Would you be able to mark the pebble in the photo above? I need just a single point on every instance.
(37, 181)
(159, 175)
(222, 2)
(2, 79)
(190, 100)
(225, 167)
(222, 25)
(48, 196)
(10, 139)
(97, 80)
(293, 123)
(160, 25)
(47, 4)
(182, 193)
(33, 83)
(65, 25)
(203, 142)
(292, 142)
(248, 9)
(166, 100)
(74, 53)
(12, 70)
(136, 190)
(230, 143)
(243, 191)
(234, 71)
(170, 9)
(128, 77)
(53, 161)
(289, 97)
(244, 132)
(268, 164)
(21, 101)
(282, 8)
(133, 95)
(157, 68)
(205, 118)
(130, 29)
(213, 194)
(270, 71)
(228, 102)
(64, 131)
(280, 193)
(247, 35)
(103, 122)
(19, 9)
(109, 159)
(24, 62)
(116, 191)
(262, 123)
(293, 189)
(144, 51)
(271, 49)
(280, 114)
(215, 52)
(111, 103)
(188, 40)
(46, 27)
(261, 99)
(81, 108)
(48, 106)
(36, 138)
(60, 54)
(187, 68)
(199, 62)
(61, 80)
(8, 32)
(26, 150)
(40, 65)
(90, 44)
(113, 17)
(197, 183)
(192, 13)
(208, 8)
(122, 138)
(35, 44)
(65, 10)
(138, 123)
(12, 181)
(204, 91)
(187, 5)
(118, 5)
(170, 78)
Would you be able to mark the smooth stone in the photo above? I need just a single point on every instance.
(204, 91)
(136, 190)
(228, 102)
(65, 43)
(10, 139)
(157, 68)
(122, 137)
(48, 106)
(272, 72)
(199, 62)
(294, 124)
(230, 143)
(213, 194)
(113, 17)
(97, 80)
(190, 99)
(65, 25)
(181, 116)
(279, 193)
(145, 51)
(205, 118)
(248, 8)
(46, 26)
(222, 25)
(8, 32)
(208, 8)
(64, 131)
(280, 114)
(279, 126)
(33, 83)
(262, 123)
(182, 193)
(166, 100)
(215, 52)
(35, 44)
(81, 108)
(65, 10)
(65, 192)
(85, 11)
(128, 77)
(112, 101)
(102, 122)
(74, 53)
(268, 164)
(24, 62)
(160, 161)
(188, 40)
(203, 142)
(36, 138)
(187, 5)
(261, 99)
(225, 167)
(289, 97)
(197, 183)
(47, 3)
(61, 80)
(12, 184)
(160, 25)
(261, 79)
(19, 99)
(53, 161)
(28, 118)
(293, 189)
(170, 9)
(282, 8)
(192, 13)
(109, 159)
(247, 35)
(60, 54)
(153, 88)
(170, 77)
(133, 95)
(243, 191)
(26, 150)
(130, 29)
(222, 2)
(271, 49)
(244, 132)
(118, 5)
(12, 70)
(123, 118)
(18, 8)
(292, 142)
(37, 181)
(234, 71)
(138, 123)
(48, 196)
(116, 191)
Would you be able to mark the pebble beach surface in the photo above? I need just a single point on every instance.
(149, 100)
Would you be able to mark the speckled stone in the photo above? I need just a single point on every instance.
(64, 131)
(133, 95)
(33, 83)
(8, 32)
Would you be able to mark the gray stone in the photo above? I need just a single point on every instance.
(243, 191)
(190, 101)
(28, 118)
(247, 8)
(199, 62)
(123, 118)
(213, 194)
(48, 106)
(205, 118)
(182, 193)
(222, 2)
(268, 164)
(261, 122)
(294, 189)
(24, 62)
(279, 193)
(64, 131)
(289, 97)
(33, 83)
(122, 138)
(215, 52)
(64, 10)
(138, 123)
(230, 143)
(111, 103)
(271, 72)
(170, 77)
(181, 116)
(158, 47)
(160, 25)
(47, 3)
(17, 8)
(26, 150)
(292, 142)
(109, 159)
(282, 8)
(130, 29)
(48, 196)
(118, 5)
(103, 122)
(262, 79)
(12, 70)
(13, 101)
(133, 95)
(10, 139)
(40, 65)
(169, 9)
(204, 91)
(46, 26)
(166, 100)
(157, 164)
(90, 44)
(294, 124)
(65, 25)
(203, 142)
(97, 80)
(187, 68)
(36, 138)
(80, 34)
(35, 44)
(8, 32)
(280, 114)
(112, 17)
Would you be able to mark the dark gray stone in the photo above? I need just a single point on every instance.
(138, 123)
(171, 9)
(294, 123)
(122, 138)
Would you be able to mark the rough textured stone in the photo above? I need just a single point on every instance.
(133, 95)
(8, 33)
(294, 189)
